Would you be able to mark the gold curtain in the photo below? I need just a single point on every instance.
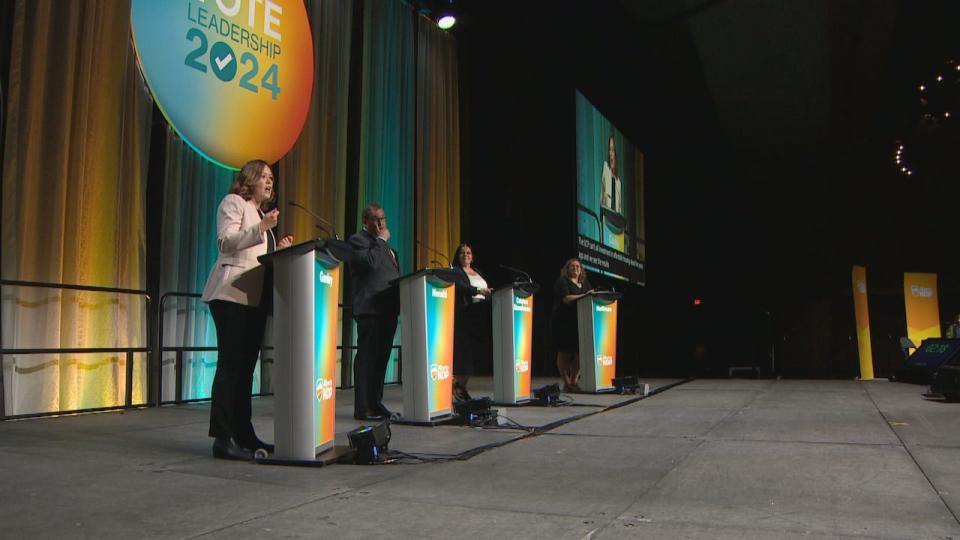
(74, 176)
(438, 145)
(314, 172)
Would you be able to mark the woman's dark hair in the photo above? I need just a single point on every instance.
(458, 251)
(247, 178)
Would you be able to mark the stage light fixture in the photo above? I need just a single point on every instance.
(547, 395)
(370, 443)
(446, 22)
(628, 384)
(476, 412)
(446, 17)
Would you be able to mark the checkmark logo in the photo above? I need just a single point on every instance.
(223, 62)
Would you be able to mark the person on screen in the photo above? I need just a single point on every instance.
(611, 188)
(376, 306)
(239, 297)
(571, 285)
(471, 329)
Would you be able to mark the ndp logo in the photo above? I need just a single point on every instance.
(438, 293)
(324, 389)
(233, 77)
(923, 292)
(604, 360)
(325, 279)
(439, 372)
(522, 366)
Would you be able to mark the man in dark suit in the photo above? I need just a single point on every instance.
(376, 305)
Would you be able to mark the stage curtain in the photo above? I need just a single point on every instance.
(387, 127)
(74, 176)
(193, 189)
(438, 146)
(314, 172)
(387, 120)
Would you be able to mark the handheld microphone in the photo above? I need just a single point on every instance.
(518, 272)
(318, 218)
(430, 249)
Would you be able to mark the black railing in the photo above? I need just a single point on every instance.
(129, 351)
(179, 350)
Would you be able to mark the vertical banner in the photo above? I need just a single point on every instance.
(920, 301)
(522, 343)
(605, 341)
(326, 293)
(863, 322)
(439, 303)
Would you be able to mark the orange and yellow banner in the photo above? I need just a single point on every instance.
(920, 300)
(863, 322)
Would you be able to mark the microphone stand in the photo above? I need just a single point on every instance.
(318, 218)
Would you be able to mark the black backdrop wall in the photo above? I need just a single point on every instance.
(764, 233)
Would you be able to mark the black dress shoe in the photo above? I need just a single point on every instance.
(371, 416)
(257, 444)
(383, 411)
(225, 448)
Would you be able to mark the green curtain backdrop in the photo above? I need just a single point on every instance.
(387, 127)
(438, 144)
(74, 178)
(387, 120)
(193, 188)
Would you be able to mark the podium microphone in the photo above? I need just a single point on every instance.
(517, 271)
(318, 218)
(437, 263)
(430, 249)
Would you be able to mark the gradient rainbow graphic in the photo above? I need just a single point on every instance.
(326, 293)
(923, 311)
(522, 343)
(440, 300)
(234, 78)
(605, 341)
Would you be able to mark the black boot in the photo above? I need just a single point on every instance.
(225, 448)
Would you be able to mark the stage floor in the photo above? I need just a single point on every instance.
(737, 459)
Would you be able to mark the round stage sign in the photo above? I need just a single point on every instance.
(233, 77)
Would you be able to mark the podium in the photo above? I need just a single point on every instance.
(306, 289)
(427, 300)
(512, 341)
(597, 330)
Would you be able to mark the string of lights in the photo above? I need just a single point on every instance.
(938, 100)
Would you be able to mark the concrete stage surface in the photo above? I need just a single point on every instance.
(719, 459)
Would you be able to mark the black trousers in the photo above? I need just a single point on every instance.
(239, 337)
(374, 341)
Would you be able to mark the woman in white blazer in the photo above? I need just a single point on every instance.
(234, 291)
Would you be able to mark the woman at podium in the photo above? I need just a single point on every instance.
(571, 286)
(239, 301)
(471, 328)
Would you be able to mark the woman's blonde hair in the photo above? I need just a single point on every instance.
(564, 270)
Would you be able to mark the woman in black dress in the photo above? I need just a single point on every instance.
(471, 327)
(571, 286)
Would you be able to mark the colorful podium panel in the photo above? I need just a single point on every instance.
(426, 335)
(597, 327)
(512, 343)
(306, 291)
